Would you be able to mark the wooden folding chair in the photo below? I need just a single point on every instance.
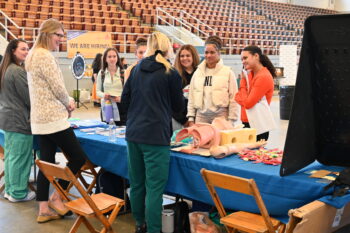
(88, 169)
(87, 206)
(241, 220)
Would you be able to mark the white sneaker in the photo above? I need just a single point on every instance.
(30, 196)
(6, 196)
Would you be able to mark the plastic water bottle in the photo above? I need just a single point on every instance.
(112, 131)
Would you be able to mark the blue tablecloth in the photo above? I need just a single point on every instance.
(280, 194)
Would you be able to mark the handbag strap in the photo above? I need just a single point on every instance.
(245, 74)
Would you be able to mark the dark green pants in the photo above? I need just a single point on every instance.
(148, 172)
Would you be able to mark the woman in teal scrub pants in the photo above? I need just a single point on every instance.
(14, 120)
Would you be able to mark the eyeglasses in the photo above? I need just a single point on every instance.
(59, 35)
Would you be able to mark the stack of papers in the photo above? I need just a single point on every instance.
(81, 124)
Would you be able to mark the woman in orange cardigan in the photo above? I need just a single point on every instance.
(260, 76)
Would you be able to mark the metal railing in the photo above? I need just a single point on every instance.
(170, 19)
(6, 22)
(231, 44)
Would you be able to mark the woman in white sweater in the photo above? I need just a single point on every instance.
(50, 108)
(213, 87)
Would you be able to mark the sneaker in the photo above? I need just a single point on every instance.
(6, 196)
(30, 196)
(141, 229)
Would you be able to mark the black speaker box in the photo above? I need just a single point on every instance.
(319, 126)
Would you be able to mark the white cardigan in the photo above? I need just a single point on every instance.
(49, 99)
(224, 89)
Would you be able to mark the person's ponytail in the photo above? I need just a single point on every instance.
(164, 61)
(265, 61)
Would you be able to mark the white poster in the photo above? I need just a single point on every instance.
(288, 60)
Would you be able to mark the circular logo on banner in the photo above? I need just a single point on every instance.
(78, 66)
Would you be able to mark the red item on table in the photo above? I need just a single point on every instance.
(262, 155)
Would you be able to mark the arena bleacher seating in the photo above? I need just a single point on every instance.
(238, 22)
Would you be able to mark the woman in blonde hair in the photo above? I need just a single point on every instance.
(152, 93)
(50, 108)
(213, 88)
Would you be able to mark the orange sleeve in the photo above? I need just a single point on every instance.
(259, 89)
(242, 93)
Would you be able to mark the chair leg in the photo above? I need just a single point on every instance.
(2, 187)
(115, 213)
(88, 225)
(104, 229)
(83, 181)
(94, 180)
(282, 228)
(31, 187)
(110, 230)
(112, 218)
(76, 224)
(231, 230)
(2, 174)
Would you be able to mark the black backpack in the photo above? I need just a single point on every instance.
(181, 219)
(341, 184)
(113, 185)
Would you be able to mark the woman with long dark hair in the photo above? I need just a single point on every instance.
(110, 83)
(15, 121)
(260, 82)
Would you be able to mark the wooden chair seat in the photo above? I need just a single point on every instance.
(248, 222)
(104, 203)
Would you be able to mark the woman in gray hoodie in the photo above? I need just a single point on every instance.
(14, 120)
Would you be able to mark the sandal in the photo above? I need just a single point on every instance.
(47, 217)
(66, 212)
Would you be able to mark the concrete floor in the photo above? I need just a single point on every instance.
(21, 217)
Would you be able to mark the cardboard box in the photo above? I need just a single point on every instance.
(317, 217)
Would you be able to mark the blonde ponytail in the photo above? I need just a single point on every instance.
(164, 61)
(159, 45)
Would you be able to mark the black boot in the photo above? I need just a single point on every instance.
(141, 229)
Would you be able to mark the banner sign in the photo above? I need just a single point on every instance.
(87, 43)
